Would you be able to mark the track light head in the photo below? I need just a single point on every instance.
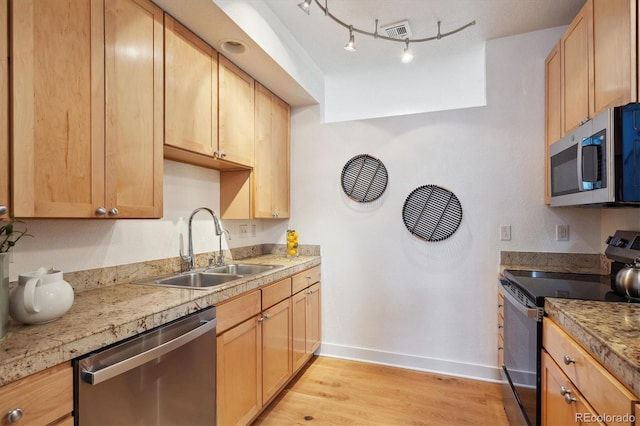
(305, 6)
(407, 55)
(351, 44)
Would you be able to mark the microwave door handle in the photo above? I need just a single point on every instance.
(579, 165)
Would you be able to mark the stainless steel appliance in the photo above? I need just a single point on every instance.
(598, 164)
(166, 376)
(524, 293)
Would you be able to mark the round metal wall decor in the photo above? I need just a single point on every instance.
(432, 213)
(364, 178)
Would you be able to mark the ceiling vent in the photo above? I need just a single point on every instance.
(399, 30)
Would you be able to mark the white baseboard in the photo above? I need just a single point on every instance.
(432, 365)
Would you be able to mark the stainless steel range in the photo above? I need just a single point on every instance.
(524, 293)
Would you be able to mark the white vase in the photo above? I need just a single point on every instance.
(4, 294)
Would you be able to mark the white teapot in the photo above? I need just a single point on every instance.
(41, 296)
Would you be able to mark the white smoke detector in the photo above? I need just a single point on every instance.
(399, 30)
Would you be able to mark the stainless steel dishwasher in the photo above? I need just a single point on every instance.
(165, 376)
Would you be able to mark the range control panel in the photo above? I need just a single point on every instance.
(623, 246)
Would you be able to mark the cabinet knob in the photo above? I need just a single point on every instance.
(267, 316)
(568, 360)
(569, 399)
(14, 415)
(564, 391)
(101, 211)
(261, 319)
(114, 212)
(3, 210)
(223, 154)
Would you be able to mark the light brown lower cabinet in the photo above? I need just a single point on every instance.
(256, 346)
(576, 388)
(44, 398)
(562, 404)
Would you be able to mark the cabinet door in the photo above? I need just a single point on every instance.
(313, 318)
(299, 329)
(276, 348)
(191, 90)
(58, 107)
(239, 373)
(134, 107)
(614, 54)
(4, 111)
(236, 113)
(562, 404)
(271, 167)
(553, 105)
(280, 137)
(576, 51)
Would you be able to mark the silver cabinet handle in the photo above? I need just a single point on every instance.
(267, 316)
(101, 211)
(106, 373)
(569, 399)
(223, 154)
(261, 319)
(568, 360)
(14, 415)
(114, 212)
(564, 391)
(3, 210)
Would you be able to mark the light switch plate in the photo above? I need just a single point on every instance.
(505, 232)
(562, 232)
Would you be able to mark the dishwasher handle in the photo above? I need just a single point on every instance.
(110, 371)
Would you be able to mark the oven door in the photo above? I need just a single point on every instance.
(521, 368)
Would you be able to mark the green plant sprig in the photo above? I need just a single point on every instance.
(9, 236)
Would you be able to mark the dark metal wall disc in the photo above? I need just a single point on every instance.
(364, 178)
(432, 213)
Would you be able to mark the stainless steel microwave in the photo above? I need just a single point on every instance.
(598, 164)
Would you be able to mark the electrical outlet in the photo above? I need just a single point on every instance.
(505, 232)
(562, 232)
(253, 230)
(244, 232)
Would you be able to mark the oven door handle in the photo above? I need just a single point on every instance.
(526, 311)
(110, 371)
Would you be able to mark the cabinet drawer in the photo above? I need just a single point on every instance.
(233, 312)
(304, 279)
(43, 397)
(274, 293)
(603, 391)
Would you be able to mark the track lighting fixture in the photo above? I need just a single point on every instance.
(407, 54)
(351, 44)
(305, 6)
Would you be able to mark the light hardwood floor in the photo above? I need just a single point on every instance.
(339, 392)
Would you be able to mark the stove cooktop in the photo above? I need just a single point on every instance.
(537, 285)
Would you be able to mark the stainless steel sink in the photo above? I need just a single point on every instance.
(194, 280)
(243, 269)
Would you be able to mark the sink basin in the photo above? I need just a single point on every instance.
(241, 268)
(195, 279)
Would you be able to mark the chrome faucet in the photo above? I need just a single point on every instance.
(220, 261)
(189, 258)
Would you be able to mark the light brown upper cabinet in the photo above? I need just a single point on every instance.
(4, 111)
(87, 108)
(235, 114)
(614, 54)
(271, 168)
(598, 54)
(553, 104)
(191, 90)
(576, 57)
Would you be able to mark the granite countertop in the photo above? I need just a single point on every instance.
(105, 315)
(609, 331)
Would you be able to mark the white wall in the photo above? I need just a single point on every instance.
(391, 298)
